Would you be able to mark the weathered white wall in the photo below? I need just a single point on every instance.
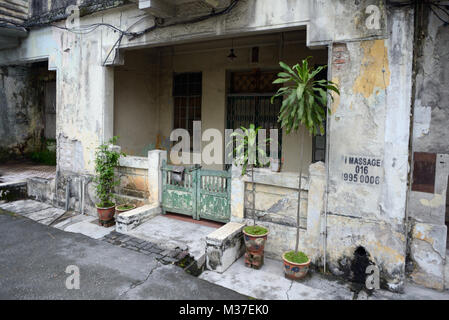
(371, 119)
(428, 211)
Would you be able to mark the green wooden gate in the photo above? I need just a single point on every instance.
(202, 194)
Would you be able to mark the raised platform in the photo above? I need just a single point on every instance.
(129, 220)
(224, 246)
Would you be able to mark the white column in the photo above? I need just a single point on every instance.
(155, 159)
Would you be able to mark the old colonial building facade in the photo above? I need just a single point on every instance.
(375, 184)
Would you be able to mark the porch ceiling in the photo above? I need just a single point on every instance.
(9, 36)
(168, 8)
(257, 40)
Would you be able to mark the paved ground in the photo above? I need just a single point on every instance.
(166, 238)
(34, 259)
(20, 171)
(171, 233)
(269, 283)
(150, 249)
(34, 210)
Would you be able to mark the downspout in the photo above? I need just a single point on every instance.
(83, 188)
(67, 194)
(81, 184)
(418, 22)
(326, 159)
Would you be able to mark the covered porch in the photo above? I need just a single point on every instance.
(160, 89)
(164, 88)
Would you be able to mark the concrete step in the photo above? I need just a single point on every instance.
(12, 191)
(123, 198)
(131, 219)
(34, 210)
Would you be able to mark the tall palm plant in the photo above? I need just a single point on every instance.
(248, 153)
(304, 103)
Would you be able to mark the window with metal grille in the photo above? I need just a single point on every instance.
(319, 147)
(249, 102)
(187, 89)
(319, 142)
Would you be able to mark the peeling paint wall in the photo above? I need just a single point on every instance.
(428, 210)
(366, 205)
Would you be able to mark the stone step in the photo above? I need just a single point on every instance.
(122, 199)
(129, 220)
(34, 210)
(12, 191)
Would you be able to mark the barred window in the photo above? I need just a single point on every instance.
(187, 90)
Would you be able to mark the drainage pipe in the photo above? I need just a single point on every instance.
(67, 194)
(326, 159)
(83, 187)
(80, 193)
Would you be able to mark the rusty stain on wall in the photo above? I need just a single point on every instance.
(375, 70)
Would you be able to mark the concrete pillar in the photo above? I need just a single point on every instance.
(108, 103)
(237, 195)
(155, 159)
(315, 207)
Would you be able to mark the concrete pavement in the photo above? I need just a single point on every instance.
(34, 258)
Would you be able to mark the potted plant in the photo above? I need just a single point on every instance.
(124, 207)
(106, 160)
(255, 236)
(305, 102)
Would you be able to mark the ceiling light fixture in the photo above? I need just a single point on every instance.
(232, 55)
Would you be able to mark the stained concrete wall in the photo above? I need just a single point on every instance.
(22, 106)
(374, 110)
(428, 211)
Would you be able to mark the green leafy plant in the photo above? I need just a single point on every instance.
(247, 143)
(305, 102)
(125, 207)
(106, 160)
(305, 99)
(296, 257)
(47, 157)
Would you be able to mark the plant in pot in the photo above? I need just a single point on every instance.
(124, 207)
(106, 160)
(304, 103)
(249, 155)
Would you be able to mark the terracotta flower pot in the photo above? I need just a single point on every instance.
(255, 243)
(105, 214)
(118, 211)
(295, 271)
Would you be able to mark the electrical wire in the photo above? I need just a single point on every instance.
(446, 22)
